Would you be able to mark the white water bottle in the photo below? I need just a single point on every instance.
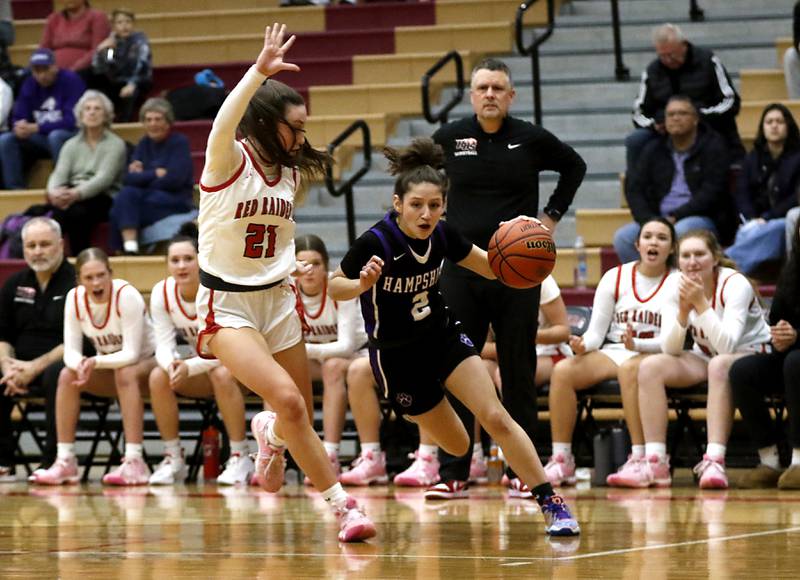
(581, 267)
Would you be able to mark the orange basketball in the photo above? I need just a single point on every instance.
(522, 253)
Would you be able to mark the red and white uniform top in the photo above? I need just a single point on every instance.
(119, 329)
(734, 323)
(549, 292)
(626, 297)
(174, 317)
(330, 328)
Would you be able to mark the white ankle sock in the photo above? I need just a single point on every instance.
(716, 451)
(637, 451)
(477, 450)
(240, 447)
(335, 495)
(65, 450)
(130, 246)
(173, 448)
(564, 449)
(429, 450)
(273, 439)
(374, 447)
(657, 449)
(769, 456)
(133, 451)
(331, 448)
(796, 456)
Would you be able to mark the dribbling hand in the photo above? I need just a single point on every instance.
(270, 61)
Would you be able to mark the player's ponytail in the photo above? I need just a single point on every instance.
(420, 162)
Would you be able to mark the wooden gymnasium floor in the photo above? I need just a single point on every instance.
(201, 531)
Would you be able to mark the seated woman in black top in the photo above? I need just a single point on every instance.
(756, 376)
(767, 190)
(417, 349)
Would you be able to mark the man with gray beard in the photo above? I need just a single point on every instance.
(31, 333)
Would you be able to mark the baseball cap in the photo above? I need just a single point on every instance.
(42, 57)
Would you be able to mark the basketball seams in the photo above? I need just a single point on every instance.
(516, 263)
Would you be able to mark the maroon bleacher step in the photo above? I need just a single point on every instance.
(379, 15)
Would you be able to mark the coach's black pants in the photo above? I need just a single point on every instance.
(753, 377)
(513, 314)
(45, 385)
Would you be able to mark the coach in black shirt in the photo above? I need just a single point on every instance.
(32, 332)
(493, 161)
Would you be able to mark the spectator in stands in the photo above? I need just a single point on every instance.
(88, 172)
(683, 176)
(754, 377)
(767, 189)
(791, 59)
(42, 119)
(32, 331)
(113, 315)
(159, 181)
(721, 310)
(335, 336)
(73, 34)
(121, 66)
(623, 332)
(682, 69)
(181, 371)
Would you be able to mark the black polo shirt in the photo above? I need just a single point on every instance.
(32, 321)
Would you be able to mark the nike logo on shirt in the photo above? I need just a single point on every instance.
(398, 257)
(514, 145)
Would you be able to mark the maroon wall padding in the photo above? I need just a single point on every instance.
(608, 259)
(379, 15)
(578, 297)
(313, 71)
(29, 9)
(10, 267)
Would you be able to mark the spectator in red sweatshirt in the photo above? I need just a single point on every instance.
(73, 34)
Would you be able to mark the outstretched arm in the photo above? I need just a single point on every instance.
(222, 155)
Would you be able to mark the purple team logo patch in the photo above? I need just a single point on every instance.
(404, 399)
(465, 339)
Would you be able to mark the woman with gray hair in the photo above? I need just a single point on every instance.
(159, 181)
(88, 171)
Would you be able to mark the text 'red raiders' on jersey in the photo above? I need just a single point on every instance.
(405, 303)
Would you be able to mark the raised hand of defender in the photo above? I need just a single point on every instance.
(270, 60)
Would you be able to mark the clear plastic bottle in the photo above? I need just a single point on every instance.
(581, 272)
(495, 465)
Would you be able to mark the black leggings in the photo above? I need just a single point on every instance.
(753, 377)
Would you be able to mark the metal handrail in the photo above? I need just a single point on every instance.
(695, 12)
(533, 51)
(621, 72)
(346, 188)
(441, 115)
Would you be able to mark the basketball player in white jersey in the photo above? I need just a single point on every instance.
(720, 308)
(181, 371)
(624, 328)
(245, 303)
(335, 337)
(112, 314)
